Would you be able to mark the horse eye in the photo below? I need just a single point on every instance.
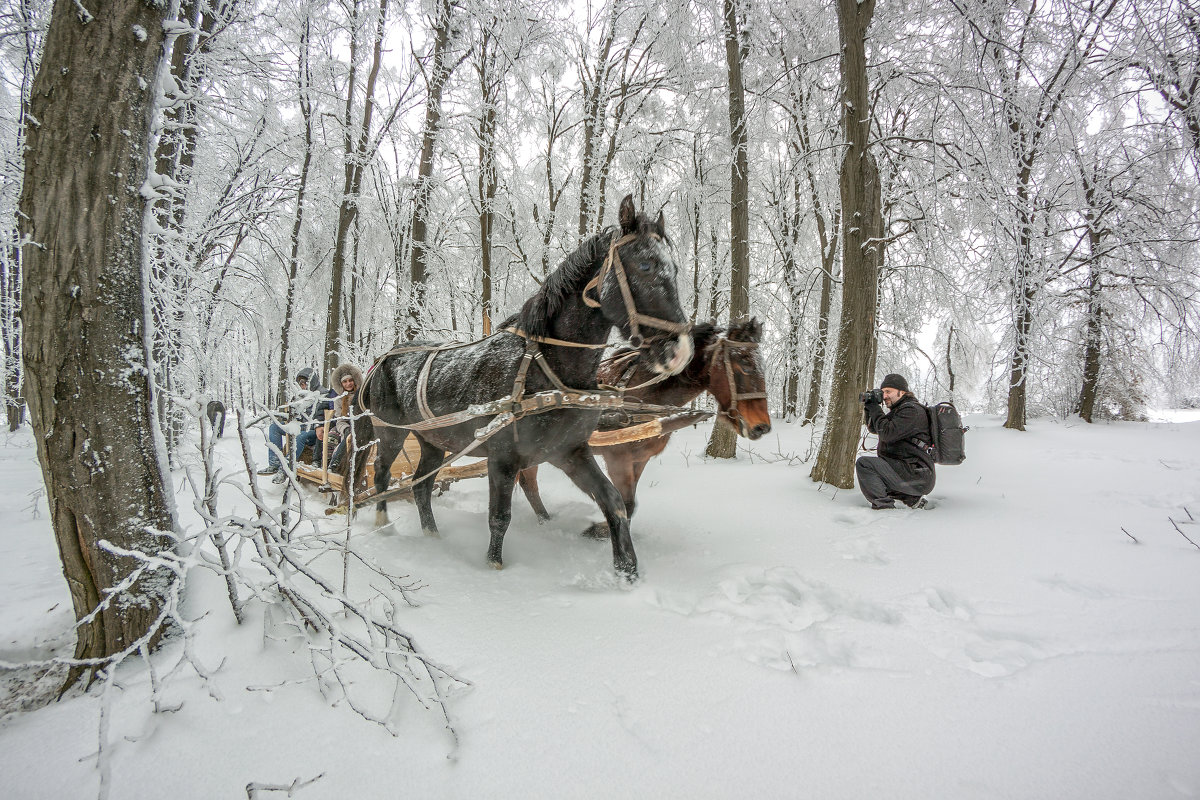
(644, 266)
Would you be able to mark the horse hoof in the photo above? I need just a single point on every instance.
(381, 520)
(629, 574)
(432, 533)
(496, 564)
(597, 530)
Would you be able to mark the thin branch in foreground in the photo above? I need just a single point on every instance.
(1184, 535)
(1130, 535)
(253, 790)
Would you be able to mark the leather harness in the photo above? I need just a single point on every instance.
(517, 405)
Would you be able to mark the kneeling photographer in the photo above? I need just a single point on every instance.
(903, 468)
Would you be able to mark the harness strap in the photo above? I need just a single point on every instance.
(553, 341)
(423, 386)
(613, 261)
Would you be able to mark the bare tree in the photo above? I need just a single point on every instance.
(304, 90)
(86, 349)
(25, 25)
(723, 442)
(862, 236)
(359, 147)
(437, 74)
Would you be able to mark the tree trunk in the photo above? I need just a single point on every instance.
(862, 233)
(595, 90)
(10, 257)
(91, 393)
(304, 87)
(489, 93)
(1091, 350)
(1025, 292)
(723, 443)
(439, 76)
(356, 140)
(1094, 325)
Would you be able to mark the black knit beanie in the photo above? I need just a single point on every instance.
(894, 381)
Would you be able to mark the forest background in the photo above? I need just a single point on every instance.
(336, 176)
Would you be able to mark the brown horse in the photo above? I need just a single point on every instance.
(727, 364)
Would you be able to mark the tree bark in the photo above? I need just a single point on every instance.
(10, 257)
(356, 140)
(304, 87)
(439, 75)
(862, 234)
(489, 92)
(595, 91)
(91, 393)
(723, 443)
(1093, 327)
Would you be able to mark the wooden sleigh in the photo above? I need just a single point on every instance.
(406, 463)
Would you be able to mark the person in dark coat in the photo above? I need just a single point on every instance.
(903, 468)
(308, 409)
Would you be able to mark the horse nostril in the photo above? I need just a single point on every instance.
(761, 429)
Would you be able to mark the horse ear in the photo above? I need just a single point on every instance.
(627, 215)
(661, 223)
(747, 331)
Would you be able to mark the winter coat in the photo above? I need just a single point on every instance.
(903, 437)
(310, 404)
(346, 404)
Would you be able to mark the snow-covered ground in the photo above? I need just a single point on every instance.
(784, 641)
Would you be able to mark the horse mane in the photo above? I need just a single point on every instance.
(569, 278)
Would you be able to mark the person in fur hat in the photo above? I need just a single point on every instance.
(347, 379)
(903, 467)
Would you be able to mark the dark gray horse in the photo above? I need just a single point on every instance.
(579, 304)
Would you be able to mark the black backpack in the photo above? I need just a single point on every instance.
(947, 431)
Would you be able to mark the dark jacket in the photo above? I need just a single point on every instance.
(903, 435)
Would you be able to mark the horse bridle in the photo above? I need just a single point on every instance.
(613, 262)
(725, 345)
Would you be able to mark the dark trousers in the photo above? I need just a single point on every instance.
(881, 482)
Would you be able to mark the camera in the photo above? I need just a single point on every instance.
(871, 396)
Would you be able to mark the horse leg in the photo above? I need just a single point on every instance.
(432, 458)
(639, 467)
(529, 485)
(583, 471)
(391, 442)
(618, 462)
(502, 479)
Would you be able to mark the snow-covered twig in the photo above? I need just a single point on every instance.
(1181, 533)
(253, 790)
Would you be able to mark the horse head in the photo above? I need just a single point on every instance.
(737, 379)
(637, 291)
